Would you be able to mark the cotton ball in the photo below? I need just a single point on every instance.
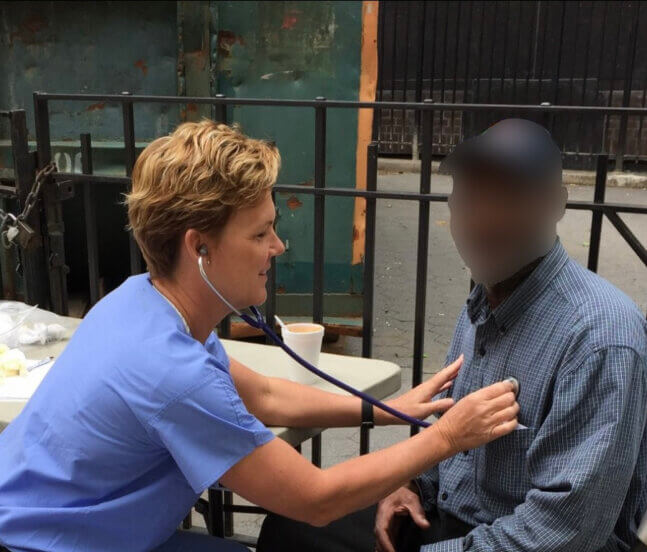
(55, 332)
(41, 331)
(28, 336)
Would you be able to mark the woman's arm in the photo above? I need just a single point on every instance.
(280, 402)
(279, 479)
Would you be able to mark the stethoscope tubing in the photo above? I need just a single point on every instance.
(259, 323)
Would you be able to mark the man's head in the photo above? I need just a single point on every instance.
(507, 198)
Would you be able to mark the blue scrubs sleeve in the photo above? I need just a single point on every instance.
(207, 430)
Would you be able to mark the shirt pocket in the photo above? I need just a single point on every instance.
(502, 478)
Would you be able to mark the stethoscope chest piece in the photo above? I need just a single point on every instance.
(515, 383)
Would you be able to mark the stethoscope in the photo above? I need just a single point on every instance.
(257, 321)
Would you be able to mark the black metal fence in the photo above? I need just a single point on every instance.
(53, 228)
(52, 253)
(516, 52)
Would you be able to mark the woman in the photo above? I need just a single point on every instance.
(144, 410)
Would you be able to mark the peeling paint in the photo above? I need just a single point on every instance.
(356, 233)
(296, 40)
(293, 203)
(141, 64)
(190, 108)
(28, 29)
(226, 41)
(290, 19)
(285, 75)
(96, 106)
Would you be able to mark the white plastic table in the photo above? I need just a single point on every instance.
(377, 377)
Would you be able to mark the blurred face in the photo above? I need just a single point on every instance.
(240, 256)
(500, 224)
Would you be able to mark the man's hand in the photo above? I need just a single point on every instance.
(390, 513)
(417, 401)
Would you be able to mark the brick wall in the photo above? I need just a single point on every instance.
(396, 126)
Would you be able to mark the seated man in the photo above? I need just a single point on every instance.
(573, 476)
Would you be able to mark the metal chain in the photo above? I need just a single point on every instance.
(32, 196)
(9, 220)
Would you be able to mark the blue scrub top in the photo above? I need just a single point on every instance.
(133, 421)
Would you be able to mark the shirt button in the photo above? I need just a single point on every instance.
(444, 496)
(466, 453)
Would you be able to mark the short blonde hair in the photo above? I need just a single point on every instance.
(194, 178)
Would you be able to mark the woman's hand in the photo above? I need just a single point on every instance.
(417, 401)
(479, 418)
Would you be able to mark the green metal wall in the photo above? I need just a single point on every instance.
(243, 49)
(299, 50)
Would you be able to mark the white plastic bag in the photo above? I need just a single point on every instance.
(22, 324)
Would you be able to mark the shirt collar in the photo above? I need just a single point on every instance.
(523, 296)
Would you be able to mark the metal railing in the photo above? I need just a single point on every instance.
(53, 227)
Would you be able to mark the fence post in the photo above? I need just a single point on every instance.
(225, 332)
(33, 261)
(369, 273)
(130, 154)
(596, 216)
(427, 118)
(319, 236)
(319, 214)
(90, 215)
(220, 113)
(221, 110)
(55, 241)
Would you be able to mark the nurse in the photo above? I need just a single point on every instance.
(144, 410)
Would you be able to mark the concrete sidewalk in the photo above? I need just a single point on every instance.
(392, 165)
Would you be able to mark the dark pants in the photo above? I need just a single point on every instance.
(354, 533)
(183, 541)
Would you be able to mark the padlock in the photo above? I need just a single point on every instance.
(26, 236)
(12, 233)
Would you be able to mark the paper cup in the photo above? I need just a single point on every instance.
(305, 339)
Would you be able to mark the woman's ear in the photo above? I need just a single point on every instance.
(193, 241)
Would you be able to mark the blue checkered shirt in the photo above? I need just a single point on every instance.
(575, 478)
